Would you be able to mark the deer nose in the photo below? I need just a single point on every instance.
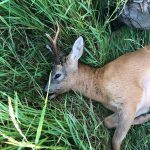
(46, 89)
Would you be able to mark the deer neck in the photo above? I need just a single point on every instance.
(88, 82)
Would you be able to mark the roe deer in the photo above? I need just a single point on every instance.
(122, 86)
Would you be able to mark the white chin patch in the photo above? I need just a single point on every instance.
(52, 95)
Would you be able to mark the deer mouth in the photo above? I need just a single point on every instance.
(52, 95)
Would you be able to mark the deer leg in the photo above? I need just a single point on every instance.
(125, 120)
(141, 119)
(111, 121)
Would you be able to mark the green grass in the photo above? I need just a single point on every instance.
(69, 121)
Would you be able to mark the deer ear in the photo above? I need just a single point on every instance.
(77, 49)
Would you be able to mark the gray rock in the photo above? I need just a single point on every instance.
(136, 14)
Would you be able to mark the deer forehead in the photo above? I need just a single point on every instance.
(58, 67)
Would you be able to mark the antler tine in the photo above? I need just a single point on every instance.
(54, 40)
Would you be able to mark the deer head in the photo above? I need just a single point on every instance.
(64, 69)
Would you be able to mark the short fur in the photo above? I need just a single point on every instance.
(122, 86)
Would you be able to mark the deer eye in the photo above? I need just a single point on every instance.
(57, 76)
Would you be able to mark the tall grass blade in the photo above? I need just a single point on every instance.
(39, 129)
(12, 115)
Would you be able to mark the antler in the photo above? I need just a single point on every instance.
(54, 41)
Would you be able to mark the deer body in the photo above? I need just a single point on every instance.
(122, 86)
(112, 83)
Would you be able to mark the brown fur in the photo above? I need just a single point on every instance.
(112, 86)
(119, 86)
